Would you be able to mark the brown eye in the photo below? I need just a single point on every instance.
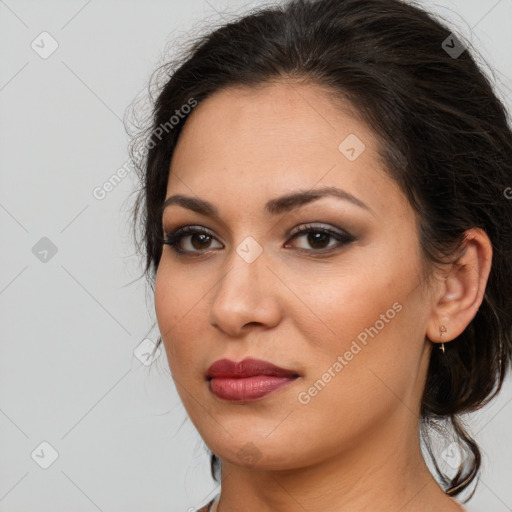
(200, 240)
(189, 239)
(318, 238)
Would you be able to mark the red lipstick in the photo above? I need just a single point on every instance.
(247, 380)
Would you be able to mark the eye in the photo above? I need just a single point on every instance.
(199, 239)
(318, 238)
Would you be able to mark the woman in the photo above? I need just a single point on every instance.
(326, 225)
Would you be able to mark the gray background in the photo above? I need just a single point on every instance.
(71, 323)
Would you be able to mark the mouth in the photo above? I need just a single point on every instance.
(248, 388)
(247, 380)
(248, 367)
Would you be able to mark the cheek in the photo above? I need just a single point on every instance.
(339, 307)
(365, 334)
(166, 304)
(170, 300)
(176, 297)
(165, 300)
(181, 309)
(352, 386)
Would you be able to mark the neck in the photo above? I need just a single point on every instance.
(380, 473)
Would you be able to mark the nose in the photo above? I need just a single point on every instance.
(245, 295)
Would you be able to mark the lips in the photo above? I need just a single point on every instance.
(247, 380)
(249, 367)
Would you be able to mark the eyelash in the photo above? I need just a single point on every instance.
(174, 238)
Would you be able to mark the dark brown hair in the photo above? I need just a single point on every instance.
(444, 136)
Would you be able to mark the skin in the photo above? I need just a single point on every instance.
(355, 445)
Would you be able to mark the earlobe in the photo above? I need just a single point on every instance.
(462, 289)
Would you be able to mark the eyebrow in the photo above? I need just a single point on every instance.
(275, 206)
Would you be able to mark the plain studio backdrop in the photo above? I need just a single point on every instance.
(86, 424)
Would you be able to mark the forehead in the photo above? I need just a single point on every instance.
(276, 138)
(273, 117)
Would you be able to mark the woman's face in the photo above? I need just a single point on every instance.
(345, 310)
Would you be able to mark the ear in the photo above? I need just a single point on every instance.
(461, 290)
